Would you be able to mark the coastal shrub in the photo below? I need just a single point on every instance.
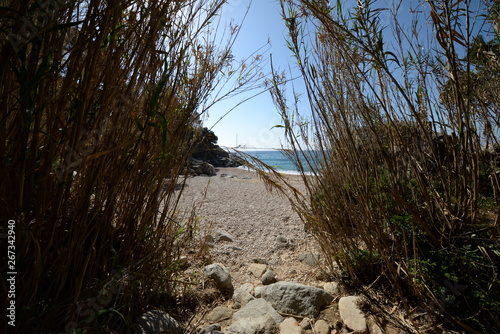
(101, 102)
(403, 123)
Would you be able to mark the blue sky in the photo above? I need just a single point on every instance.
(251, 123)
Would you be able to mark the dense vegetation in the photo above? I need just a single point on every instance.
(405, 123)
(101, 101)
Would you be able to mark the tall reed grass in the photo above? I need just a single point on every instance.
(101, 101)
(405, 132)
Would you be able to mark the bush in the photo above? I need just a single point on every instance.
(400, 132)
(100, 100)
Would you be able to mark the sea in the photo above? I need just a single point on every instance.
(279, 161)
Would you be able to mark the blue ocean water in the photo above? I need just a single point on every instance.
(278, 160)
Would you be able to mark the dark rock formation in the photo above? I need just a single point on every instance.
(207, 150)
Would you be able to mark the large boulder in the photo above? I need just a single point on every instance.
(157, 321)
(199, 167)
(295, 298)
(257, 317)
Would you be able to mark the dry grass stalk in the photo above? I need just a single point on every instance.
(405, 189)
(100, 106)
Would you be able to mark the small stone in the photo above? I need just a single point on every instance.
(211, 329)
(257, 269)
(259, 260)
(281, 242)
(232, 248)
(373, 327)
(281, 239)
(220, 275)
(222, 235)
(157, 321)
(306, 323)
(218, 314)
(332, 288)
(258, 291)
(331, 315)
(351, 315)
(290, 326)
(242, 295)
(269, 277)
(321, 327)
(311, 259)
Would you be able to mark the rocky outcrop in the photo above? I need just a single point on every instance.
(207, 155)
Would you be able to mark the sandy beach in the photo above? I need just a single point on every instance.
(263, 224)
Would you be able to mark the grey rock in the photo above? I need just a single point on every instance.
(157, 321)
(297, 299)
(351, 315)
(311, 259)
(218, 314)
(222, 235)
(258, 291)
(321, 327)
(269, 277)
(211, 329)
(220, 275)
(281, 242)
(232, 248)
(257, 269)
(199, 167)
(332, 288)
(259, 260)
(257, 317)
(242, 295)
(290, 326)
(305, 323)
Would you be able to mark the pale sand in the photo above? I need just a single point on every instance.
(256, 218)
